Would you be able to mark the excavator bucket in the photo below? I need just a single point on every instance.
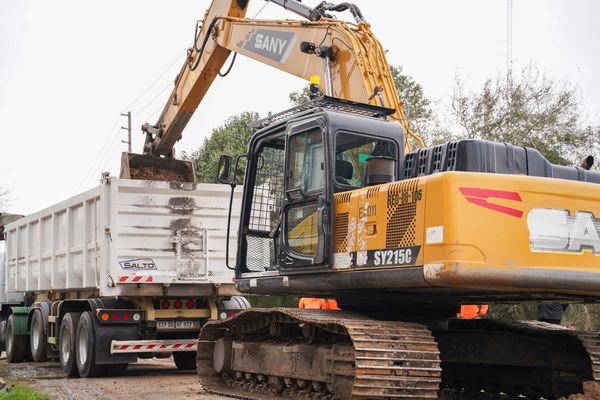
(153, 168)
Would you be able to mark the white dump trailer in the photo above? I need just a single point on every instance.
(128, 269)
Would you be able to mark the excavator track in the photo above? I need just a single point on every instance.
(315, 354)
(529, 360)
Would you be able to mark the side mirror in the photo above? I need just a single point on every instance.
(225, 173)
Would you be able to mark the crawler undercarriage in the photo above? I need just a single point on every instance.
(313, 354)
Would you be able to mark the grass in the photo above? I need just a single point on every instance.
(21, 392)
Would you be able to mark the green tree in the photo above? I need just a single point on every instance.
(301, 96)
(231, 138)
(3, 199)
(418, 108)
(529, 110)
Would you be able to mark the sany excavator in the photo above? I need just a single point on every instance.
(337, 205)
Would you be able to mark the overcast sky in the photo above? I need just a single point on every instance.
(68, 68)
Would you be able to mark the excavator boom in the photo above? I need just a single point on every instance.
(347, 55)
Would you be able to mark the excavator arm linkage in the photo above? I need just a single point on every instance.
(347, 55)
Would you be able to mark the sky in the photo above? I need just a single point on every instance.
(69, 68)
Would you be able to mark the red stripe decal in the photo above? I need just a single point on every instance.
(123, 278)
(162, 346)
(176, 346)
(187, 346)
(478, 196)
(123, 347)
(137, 279)
(150, 279)
(151, 346)
(137, 347)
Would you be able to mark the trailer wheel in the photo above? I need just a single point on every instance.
(66, 343)
(86, 348)
(38, 338)
(185, 360)
(2, 335)
(16, 345)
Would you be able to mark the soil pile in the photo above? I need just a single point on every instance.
(591, 391)
(151, 173)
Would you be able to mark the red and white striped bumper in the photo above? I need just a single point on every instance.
(152, 346)
(136, 279)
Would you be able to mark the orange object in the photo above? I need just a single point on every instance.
(314, 303)
(473, 311)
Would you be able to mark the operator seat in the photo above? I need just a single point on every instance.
(343, 171)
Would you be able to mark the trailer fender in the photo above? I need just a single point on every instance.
(44, 307)
(21, 320)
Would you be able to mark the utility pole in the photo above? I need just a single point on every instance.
(128, 129)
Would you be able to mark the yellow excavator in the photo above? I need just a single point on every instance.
(337, 204)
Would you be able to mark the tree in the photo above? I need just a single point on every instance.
(530, 110)
(231, 138)
(301, 96)
(418, 108)
(3, 199)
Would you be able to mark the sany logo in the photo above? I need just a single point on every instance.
(269, 43)
(276, 45)
(556, 230)
(481, 196)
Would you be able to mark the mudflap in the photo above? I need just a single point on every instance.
(104, 337)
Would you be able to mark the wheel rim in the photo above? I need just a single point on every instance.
(65, 346)
(36, 335)
(9, 339)
(82, 345)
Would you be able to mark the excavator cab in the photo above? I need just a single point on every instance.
(297, 160)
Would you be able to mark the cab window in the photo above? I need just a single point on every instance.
(351, 154)
(307, 162)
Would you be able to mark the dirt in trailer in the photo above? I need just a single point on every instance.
(154, 379)
(151, 173)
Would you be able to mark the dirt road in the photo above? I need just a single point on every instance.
(146, 380)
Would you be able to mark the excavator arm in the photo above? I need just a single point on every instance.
(347, 56)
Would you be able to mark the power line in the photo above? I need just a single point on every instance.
(156, 80)
(112, 135)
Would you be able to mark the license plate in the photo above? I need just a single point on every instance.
(178, 324)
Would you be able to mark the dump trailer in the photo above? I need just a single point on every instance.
(131, 268)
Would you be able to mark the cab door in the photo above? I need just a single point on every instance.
(305, 240)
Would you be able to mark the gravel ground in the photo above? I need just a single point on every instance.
(146, 380)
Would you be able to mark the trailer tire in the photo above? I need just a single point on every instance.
(2, 335)
(16, 345)
(86, 348)
(66, 343)
(38, 338)
(185, 360)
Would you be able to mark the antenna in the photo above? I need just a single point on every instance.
(509, 38)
